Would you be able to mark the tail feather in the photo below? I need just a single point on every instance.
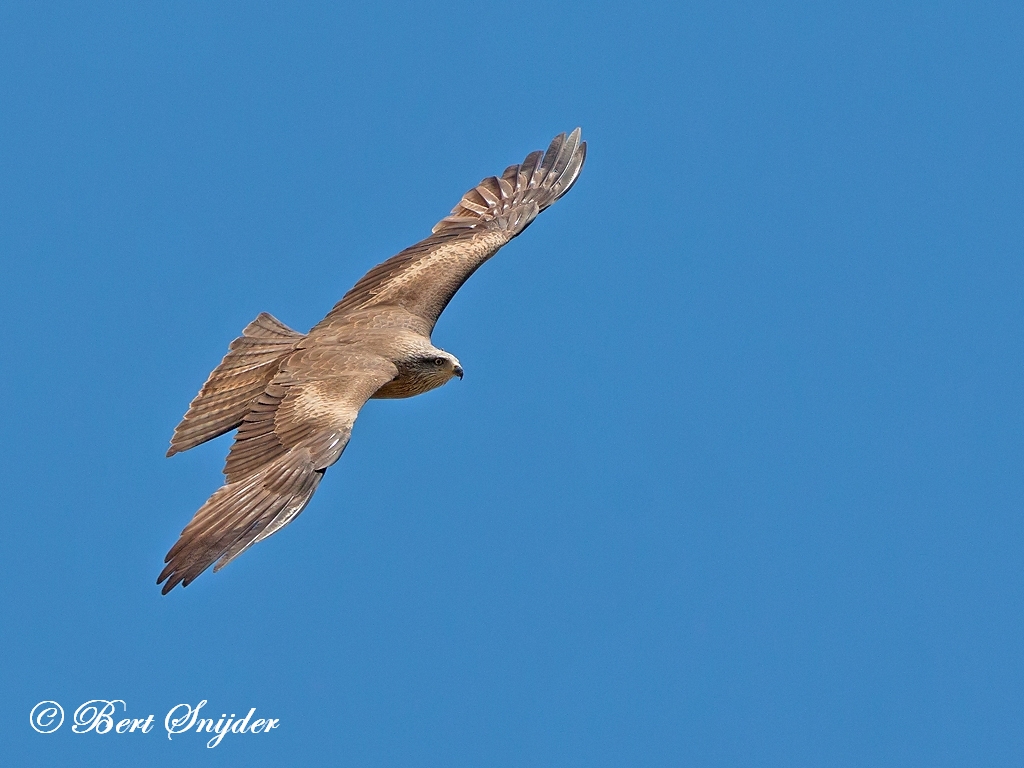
(234, 385)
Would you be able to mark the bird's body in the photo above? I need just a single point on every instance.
(294, 397)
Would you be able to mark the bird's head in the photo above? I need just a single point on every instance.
(436, 367)
(440, 363)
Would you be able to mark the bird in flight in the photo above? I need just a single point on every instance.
(293, 397)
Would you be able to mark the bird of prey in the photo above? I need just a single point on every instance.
(294, 397)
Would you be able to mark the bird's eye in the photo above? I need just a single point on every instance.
(438, 361)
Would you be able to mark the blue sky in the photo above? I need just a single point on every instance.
(735, 473)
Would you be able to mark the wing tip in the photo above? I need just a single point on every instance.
(238, 515)
(542, 178)
(166, 575)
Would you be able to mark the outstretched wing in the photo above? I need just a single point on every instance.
(423, 278)
(296, 428)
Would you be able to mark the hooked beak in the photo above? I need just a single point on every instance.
(457, 370)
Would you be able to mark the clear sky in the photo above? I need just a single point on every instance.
(734, 477)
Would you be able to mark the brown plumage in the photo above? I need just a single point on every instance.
(294, 397)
